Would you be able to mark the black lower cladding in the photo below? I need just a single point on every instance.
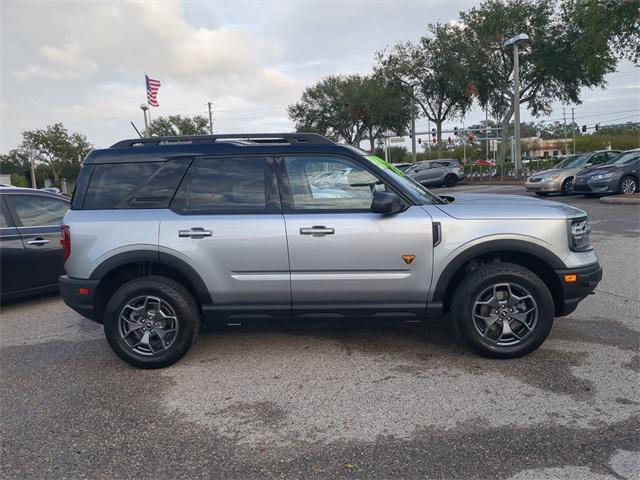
(587, 279)
(79, 300)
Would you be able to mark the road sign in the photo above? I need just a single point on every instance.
(493, 145)
(396, 139)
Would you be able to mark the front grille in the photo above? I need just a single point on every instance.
(534, 180)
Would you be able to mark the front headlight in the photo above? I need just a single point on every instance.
(579, 230)
(550, 178)
(602, 176)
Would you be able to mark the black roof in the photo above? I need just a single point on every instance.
(162, 148)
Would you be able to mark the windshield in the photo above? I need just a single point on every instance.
(419, 192)
(574, 161)
(626, 158)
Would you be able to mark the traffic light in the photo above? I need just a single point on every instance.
(449, 140)
(455, 131)
(597, 127)
(584, 128)
(419, 141)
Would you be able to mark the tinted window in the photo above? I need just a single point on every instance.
(134, 185)
(3, 220)
(38, 210)
(229, 185)
(627, 158)
(329, 183)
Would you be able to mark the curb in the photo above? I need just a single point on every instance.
(621, 200)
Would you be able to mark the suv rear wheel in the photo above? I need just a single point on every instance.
(151, 322)
(450, 180)
(503, 310)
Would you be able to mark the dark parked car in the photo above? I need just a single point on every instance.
(30, 251)
(620, 175)
(446, 171)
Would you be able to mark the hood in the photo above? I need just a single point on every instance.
(552, 171)
(473, 206)
(596, 170)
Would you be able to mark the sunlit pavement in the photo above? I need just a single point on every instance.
(335, 399)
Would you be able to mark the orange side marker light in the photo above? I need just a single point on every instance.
(570, 278)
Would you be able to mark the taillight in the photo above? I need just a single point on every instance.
(65, 241)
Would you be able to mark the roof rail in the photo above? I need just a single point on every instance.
(254, 138)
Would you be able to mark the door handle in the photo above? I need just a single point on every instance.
(38, 241)
(317, 231)
(195, 232)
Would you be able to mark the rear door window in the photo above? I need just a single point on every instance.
(38, 210)
(134, 185)
(227, 184)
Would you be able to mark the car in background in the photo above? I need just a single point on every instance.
(618, 176)
(442, 172)
(560, 178)
(403, 166)
(51, 190)
(485, 163)
(31, 257)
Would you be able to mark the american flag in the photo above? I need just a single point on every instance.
(152, 90)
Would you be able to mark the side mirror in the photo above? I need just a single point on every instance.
(386, 203)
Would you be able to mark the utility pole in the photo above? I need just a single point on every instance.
(487, 129)
(573, 128)
(413, 129)
(33, 171)
(210, 119)
(564, 116)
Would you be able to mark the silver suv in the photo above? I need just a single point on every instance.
(436, 173)
(164, 233)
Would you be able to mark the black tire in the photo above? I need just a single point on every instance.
(567, 187)
(475, 283)
(450, 180)
(542, 194)
(176, 297)
(633, 185)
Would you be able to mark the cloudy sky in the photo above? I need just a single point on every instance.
(83, 63)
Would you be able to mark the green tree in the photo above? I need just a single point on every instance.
(397, 154)
(179, 125)
(351, 108)
(552, 67)
(602, 23)
(54, 147)
(433, 72)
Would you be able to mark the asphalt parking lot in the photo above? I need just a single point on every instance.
(335, 400)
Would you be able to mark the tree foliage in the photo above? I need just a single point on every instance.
(55, 147)
(351, 108)
(179, 125)
(605, 23)
(552, 65)
(433, 72)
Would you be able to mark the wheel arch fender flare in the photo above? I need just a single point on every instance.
(158, 258)
(486, 249)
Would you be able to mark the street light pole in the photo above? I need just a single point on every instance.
(516, 99)
(413, 129)
(144, 109)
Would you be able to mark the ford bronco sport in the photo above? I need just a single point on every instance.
(166, 232)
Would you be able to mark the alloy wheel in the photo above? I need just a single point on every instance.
(505, 314)
(148, 325)
(628, 186)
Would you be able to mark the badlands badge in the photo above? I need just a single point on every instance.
(408, 259)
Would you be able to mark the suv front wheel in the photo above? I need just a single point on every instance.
(151, 322)
(503, 310)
